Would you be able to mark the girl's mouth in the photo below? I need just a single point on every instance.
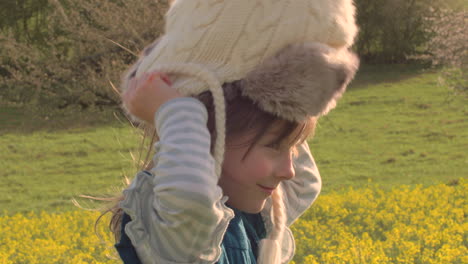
(267, 190)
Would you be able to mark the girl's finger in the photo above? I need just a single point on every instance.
(155, 79)
(152, 77)
(166, 79)
(159, 75)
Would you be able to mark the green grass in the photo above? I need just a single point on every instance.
(394, 126)
(44, 170)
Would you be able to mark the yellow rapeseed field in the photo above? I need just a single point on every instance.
(406, 225)
(368, 225)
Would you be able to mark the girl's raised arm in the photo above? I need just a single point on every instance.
(301, 191)
(176, 207)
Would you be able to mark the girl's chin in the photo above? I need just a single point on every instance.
(250, 208)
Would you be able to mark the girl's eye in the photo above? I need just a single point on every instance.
(277, 148)
(274, 146)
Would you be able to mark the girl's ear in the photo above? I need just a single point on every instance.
(301, 80)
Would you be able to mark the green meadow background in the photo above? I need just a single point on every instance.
(395, 125)
(392, 157)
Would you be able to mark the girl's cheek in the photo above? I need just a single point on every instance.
(262, 167)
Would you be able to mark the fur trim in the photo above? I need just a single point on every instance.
(301, 80)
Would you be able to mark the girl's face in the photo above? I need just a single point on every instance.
(248, 179)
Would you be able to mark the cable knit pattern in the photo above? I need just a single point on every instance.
(231, 37)
(259, 30)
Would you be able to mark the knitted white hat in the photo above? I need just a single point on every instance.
(289, 56)
(210, 42)
(230, 37)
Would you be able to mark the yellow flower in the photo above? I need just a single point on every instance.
(404, 225)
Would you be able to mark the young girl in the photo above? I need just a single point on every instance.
(232, 89)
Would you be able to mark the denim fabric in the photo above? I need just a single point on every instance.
(239, 246)
(124, 247)
(240, 243)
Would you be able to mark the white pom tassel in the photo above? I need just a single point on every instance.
(269, 252)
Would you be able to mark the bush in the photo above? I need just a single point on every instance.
(65, 53)
(86, 46)
(392, 30)
(448, 48)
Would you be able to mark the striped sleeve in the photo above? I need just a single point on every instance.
(301, 191)
(179, 204)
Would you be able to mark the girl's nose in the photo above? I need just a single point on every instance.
(285, 169)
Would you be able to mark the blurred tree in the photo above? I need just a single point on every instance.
(448, 48)
(392, 30)
(64, 53)
(84, 46)
(26, 19)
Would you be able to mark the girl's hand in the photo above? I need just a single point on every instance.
(147, 93)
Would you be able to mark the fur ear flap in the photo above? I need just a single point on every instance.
(301, 80)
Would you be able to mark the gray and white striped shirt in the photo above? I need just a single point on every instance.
(179, 213)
